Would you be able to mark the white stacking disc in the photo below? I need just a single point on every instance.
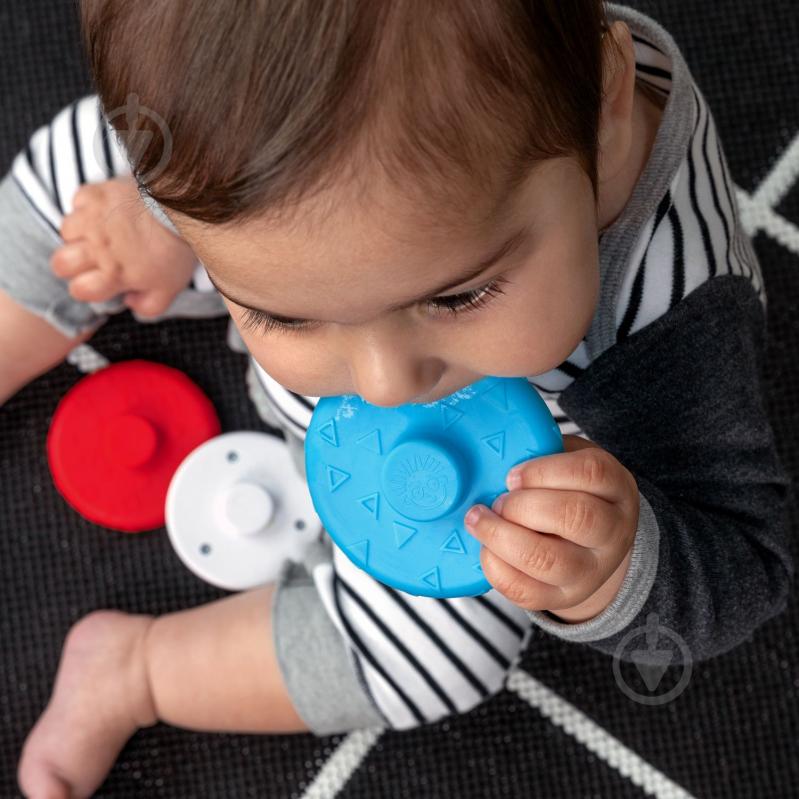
(236, 509)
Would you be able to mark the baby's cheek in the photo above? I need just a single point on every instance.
(298, 366)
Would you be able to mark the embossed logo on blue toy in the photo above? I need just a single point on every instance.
(420, 481)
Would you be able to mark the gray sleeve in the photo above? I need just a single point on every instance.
(680, 404)
(26, 244)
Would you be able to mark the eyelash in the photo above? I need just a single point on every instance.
(456, 304)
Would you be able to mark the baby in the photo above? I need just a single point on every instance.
(396, 199)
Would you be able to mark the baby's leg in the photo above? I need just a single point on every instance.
(211, 668)
(29, 346)
(214, 668)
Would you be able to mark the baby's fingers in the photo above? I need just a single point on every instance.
(548, 558)
(81, 223)
(93, 286)
(70, 260)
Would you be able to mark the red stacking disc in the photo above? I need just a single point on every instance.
(118, 436)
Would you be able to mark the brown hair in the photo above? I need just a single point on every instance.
(268, 101)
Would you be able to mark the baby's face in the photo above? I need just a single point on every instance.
(344, 272)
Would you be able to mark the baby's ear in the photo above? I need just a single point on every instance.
(618, 90)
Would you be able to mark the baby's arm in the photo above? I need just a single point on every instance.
(680, 404)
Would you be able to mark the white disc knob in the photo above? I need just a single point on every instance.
(245, 508)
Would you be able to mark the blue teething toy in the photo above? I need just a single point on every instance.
(392, 485)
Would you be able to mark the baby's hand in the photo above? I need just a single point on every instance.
(114, 245)
(565, 534)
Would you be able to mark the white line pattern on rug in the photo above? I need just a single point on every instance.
(757, 209)
(352, 751)
(593, 737)
(338, 769)
(781, 178)
(86, 359)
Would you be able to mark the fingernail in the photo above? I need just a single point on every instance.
(514, 478)
(498, 503)
(473, 515)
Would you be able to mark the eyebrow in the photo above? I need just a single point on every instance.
(472, 272)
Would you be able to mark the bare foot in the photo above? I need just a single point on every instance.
(100, 698)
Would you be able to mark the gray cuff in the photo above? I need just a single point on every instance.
(633, 593)
(28, 241)
(314, 661)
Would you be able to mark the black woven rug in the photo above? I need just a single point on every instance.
(565, 730)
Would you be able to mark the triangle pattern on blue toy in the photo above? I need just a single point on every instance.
(497, 395)
(431, 578)
(478, 567)
(454, 544)
(449, 416)
(403, 533)
(360, 549)
(371, 503)
(329, 433)
(372, 441)
(496, 441)
(335, 477)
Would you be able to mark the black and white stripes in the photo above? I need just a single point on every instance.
(695, 235)
(652, 65)
(76, 147)
(424, 658)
